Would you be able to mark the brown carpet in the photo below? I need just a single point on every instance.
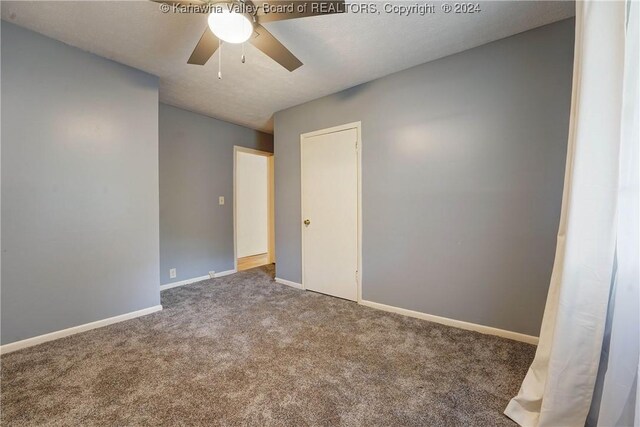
(244, 350)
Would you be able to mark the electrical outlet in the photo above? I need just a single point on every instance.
(172, 273)
(212, 274)
(221, 200)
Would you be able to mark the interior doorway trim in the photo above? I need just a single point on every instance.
(358, 127)
(270, 200)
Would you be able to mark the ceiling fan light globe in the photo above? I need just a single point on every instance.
(230, 26)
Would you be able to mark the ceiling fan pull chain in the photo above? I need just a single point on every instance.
(243, 58)
(219, 59)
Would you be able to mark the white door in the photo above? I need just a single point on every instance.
(330, 213)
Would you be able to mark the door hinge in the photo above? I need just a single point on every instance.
(356, 276)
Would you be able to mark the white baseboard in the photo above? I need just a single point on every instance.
(29, 342)
(196, 279)
(225, 273)
(289, 283)
(183, 282)
(455, 323)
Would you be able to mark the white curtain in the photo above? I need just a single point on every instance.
(594, 284)
(616, 398)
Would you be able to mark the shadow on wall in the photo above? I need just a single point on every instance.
(353, 92)
(263, 141)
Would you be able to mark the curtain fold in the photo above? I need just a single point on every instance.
(594, 237)
(617, 392)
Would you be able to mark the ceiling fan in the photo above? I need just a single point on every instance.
(239, 21)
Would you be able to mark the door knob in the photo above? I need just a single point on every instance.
(307, 222)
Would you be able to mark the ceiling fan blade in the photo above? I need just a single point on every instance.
(205, 48)
(278, 10)
(264, 40)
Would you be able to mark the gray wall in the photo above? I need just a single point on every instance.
(462, 167)
(196, 166)
(79, 186)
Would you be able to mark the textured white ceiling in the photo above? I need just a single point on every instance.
(338, 51)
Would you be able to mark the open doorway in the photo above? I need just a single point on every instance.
(253, 208)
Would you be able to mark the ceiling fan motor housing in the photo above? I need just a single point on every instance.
(230, 22)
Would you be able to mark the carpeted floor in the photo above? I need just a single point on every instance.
(244, 350)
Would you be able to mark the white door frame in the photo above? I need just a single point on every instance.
(270, 200)
(357, 126)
